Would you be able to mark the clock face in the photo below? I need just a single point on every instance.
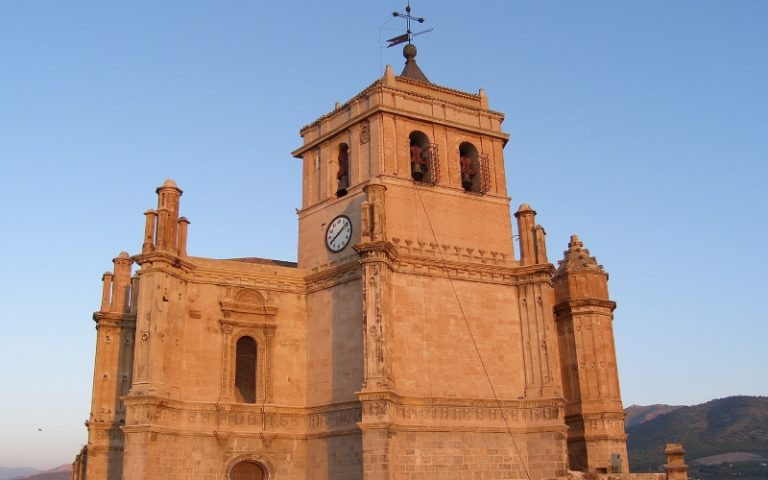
(338, 234)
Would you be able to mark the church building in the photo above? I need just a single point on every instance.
(413, 339)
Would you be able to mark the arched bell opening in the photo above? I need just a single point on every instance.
(469, 167)
(342, 174)
(420, 156)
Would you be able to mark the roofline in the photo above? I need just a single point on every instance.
(504, 137)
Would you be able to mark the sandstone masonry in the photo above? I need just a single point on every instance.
(410, 341)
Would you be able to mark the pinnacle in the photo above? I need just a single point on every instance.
(575, 242)
(577, 258)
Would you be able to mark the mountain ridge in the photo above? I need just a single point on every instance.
(720, 426)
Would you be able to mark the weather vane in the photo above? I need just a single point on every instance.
(408, 35)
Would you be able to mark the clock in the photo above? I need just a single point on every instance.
(338, 234)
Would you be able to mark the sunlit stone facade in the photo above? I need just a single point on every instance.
(410, 341)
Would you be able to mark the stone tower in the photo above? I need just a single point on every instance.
(593, 408)
(449, 343)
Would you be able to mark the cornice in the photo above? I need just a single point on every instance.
(518, 403)
(266, 277)
(583, 305)
(407, 181)
(376, 251)
(224, 277)
(388, 179)
(163, 258)
(116, 319)
(230, 306)
(333, 275)
(439, 88)
(379, 86)
(419, 249)
(504, 137)
(430, 259)
(466, 263)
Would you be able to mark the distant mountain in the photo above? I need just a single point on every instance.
(49, 476)
(733, 425)
(637, 414)
(62, 472)
(7, 473)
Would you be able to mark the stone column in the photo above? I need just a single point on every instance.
(121, 287)
(106, 292)
(182, 243)
(526, 220)
(541, 245)
(167, 216)
(149, 231)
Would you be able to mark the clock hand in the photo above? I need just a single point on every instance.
(336, 236)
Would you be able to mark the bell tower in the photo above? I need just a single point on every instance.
(437, 150)
(417, 307)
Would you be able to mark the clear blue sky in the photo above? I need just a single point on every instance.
(641, 126)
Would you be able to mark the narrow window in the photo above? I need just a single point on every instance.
(342, 175)
(420, 157)
(245, 370)
(469, 167)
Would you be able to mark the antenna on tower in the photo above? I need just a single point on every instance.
(408, 35)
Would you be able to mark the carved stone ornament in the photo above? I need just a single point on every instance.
(365, 133)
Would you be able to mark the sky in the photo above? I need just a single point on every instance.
(640, 126)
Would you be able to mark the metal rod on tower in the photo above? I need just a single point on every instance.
(408, 35)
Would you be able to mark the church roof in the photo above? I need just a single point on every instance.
(265, 261)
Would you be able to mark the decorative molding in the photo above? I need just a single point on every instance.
(333, 274)
(465, 414)
(164, 259)
(365, 133)
(114, 319)
(409, 248)
(592, 305)
(246, 312)
(378, 251)
(377, 89)
(149, 413)
(231, 278)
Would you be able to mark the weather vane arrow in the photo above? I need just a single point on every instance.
(408, 35)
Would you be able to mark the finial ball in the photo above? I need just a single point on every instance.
(409, 51)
